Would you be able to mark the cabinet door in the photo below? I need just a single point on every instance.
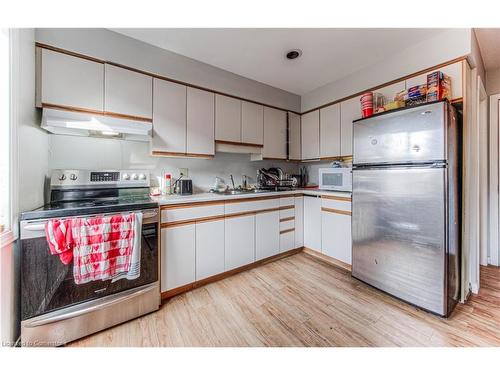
(252, 123)
(336, 236)
(209, 248)
(127, 92)
(312, 223)
(70, 81)
(299, 222)
(177, 256)
(239, 234)
(267, 234)
(275, 133)
(227, 119)
(350, 110)
(294, 150)
(329, 134)
(200, 122)
(169, 117)
(310, 135)
(453, 70)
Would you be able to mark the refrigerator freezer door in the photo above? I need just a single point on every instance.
(398, 233)
(408, 136)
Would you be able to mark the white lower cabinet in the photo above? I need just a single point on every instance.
(267, 234)
(336, 236)
(209, 248)
(312, 222)
(178, 251)
(239, 235)
(287, 241)
(299, 222)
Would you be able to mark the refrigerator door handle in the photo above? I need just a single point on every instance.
(436, 164)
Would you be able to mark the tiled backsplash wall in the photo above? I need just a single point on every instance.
(70, 152)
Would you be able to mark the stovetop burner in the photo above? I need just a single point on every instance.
(93, 198)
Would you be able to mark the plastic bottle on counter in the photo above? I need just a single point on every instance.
(167, 183)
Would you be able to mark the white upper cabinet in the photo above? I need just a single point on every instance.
(350, 110)
(294, 146)
(275, 134)
(227, 119)
(127, 92)
(329, 134)
(310, 135)
(453, 70)
(200, 122)
(252, 123)
(169, 117)
(69, 81)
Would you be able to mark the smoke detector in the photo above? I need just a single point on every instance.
(293, 54)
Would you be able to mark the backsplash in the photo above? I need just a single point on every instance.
(71, 152)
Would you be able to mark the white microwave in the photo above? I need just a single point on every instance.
(335, 179)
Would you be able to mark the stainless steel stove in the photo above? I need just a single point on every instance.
(56, 310)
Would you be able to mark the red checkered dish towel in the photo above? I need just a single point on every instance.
(101, 246)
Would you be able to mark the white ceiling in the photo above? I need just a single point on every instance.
(489, 44)
(258, 54)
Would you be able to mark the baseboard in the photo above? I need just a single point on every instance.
(327, 259)
(184, 288)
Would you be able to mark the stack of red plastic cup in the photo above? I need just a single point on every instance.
(367, 104)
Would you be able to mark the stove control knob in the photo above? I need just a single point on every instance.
(134, 176)
(142, 176)
(126, 176)
(62, 177)
(73, 177)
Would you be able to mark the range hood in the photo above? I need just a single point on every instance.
(93, 125)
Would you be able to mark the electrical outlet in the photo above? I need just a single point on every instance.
(184, 172)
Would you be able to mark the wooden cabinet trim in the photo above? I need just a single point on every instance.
(238, 143)
(287, 207)
(287, 231)
(190, 205)
(327, 259)
(229, 201)
(94, 112)
(337, 198)
(335, 211)
(181, 154)
(287, 219)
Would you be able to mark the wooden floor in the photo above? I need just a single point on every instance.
(301, 301)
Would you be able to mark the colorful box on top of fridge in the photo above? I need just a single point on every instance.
(438, 86)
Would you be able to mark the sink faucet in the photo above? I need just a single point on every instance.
(245, 181)
(232, 181)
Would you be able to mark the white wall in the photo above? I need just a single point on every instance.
(445, 46)
(108, 45)
(32, 167)
(94, 153)
(493, 81)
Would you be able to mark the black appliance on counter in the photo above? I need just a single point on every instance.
(56, 310)
(184, 187)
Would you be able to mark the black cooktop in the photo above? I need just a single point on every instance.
(89, 207)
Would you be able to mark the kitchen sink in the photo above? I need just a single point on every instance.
(240, 192)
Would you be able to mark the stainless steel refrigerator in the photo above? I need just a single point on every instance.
(406, 211)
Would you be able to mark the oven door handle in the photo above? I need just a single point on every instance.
(35, 227)
(36, 322)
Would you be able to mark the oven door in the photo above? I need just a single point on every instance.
(47, 284)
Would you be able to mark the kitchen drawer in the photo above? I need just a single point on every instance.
(336, 203)
(190, 212)
(287, 241)
(287, 201)
(289, 212)
(287, 224)
(250, 205)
